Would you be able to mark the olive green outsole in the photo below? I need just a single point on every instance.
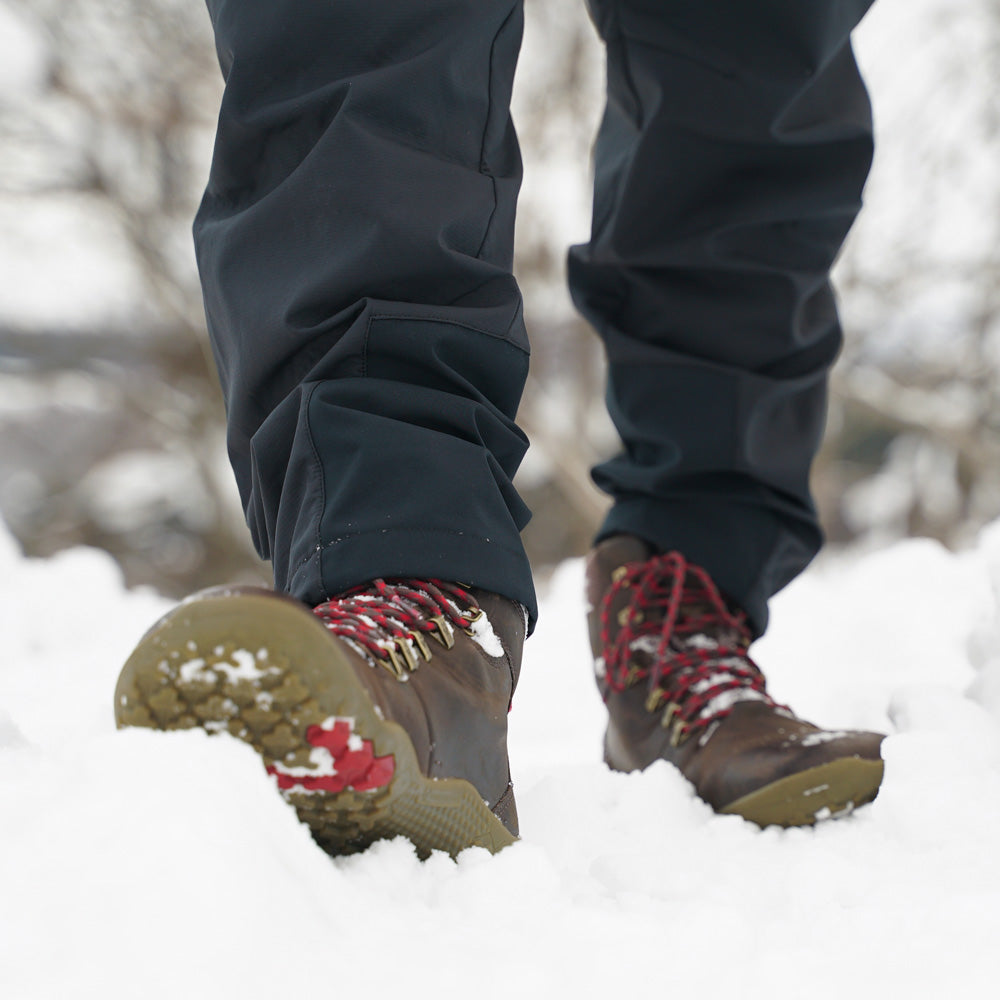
(822, 792)
(263, 669)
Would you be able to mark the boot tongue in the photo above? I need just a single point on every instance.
(606, 557)
(621, 549)
(602, 561)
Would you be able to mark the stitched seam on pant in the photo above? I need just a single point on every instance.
(318, 466)
(486, 127)
(423, 531)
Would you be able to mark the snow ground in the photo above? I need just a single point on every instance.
(139, 863)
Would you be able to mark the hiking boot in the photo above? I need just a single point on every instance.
(382, 712)
(673, 669)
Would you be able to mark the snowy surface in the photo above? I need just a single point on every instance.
(138, 863)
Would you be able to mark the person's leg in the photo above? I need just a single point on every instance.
(355, 245)
(729, 167)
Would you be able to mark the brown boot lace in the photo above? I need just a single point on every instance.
(388, 620)
(696, 661)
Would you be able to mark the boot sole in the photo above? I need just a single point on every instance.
(262, 668)
(825, 792)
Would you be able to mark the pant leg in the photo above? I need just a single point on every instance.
(729, 167)
(355, 245)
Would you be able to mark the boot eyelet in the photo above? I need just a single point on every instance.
(442, 631)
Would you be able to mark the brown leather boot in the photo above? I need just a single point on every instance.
(673, 668)
(381, 713)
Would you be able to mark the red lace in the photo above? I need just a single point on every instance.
(388, 617)
(674, 600)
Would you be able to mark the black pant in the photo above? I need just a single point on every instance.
(355, 246)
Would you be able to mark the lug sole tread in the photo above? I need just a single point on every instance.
(263, 669)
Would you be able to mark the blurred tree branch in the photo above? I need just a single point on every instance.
(118, 130)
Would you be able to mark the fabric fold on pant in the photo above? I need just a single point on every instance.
(355, 244)
(729, 167)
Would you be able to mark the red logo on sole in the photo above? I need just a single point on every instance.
(341, 760)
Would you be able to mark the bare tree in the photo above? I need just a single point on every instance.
(111, 425)
(113, 148)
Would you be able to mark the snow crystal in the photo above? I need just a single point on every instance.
(322, 763)
(481, 631)
(242, 668)
(701, 641)
(194, 670)
(816, 739)
(645, 644)
(724, 701)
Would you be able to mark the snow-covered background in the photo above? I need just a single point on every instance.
(137, 863)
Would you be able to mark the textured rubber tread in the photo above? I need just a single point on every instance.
(262, 668)
(823, 792)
